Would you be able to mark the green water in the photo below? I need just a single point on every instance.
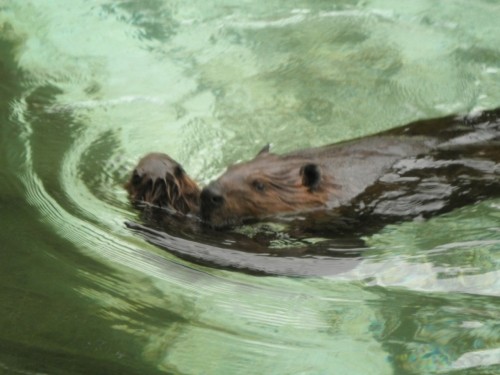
(87, 87)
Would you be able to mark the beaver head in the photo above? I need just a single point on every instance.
(161, 181)
(265, 186)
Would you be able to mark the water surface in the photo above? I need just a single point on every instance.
(86, 88)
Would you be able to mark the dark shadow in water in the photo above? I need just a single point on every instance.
(20, 358)
(234, 251)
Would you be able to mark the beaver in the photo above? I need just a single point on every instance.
(160, 181)
(417, 170)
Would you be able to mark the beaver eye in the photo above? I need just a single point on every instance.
(258, 185)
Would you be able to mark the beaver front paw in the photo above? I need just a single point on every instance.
(160, 181)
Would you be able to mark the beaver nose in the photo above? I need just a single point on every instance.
(211, 197)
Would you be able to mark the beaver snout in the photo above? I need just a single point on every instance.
(211, 199)
(211, 203)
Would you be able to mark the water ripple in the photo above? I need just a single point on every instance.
(210, 85)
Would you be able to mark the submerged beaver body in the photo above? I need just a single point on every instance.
(421, 169)
(304, 181)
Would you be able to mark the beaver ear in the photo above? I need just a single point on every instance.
(311, 176)
(265, 150)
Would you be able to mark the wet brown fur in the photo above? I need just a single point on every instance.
(341, 175)
(370, 176)
(160, 181)
(266, 186)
